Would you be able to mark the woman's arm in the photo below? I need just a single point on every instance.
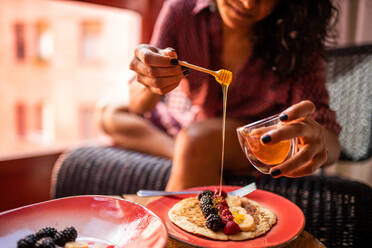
(141, 99)
(333, 146)
(157, 73)
(156, 68)
(311, 120)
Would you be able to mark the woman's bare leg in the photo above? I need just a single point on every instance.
(197, 154)
(133, 132)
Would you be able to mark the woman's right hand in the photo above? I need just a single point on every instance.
(157, 69)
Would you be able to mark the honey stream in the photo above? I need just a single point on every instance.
(224, 93)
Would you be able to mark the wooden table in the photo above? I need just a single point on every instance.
(304, 240)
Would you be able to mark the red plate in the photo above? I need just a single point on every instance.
(290, 221)
(101, 220)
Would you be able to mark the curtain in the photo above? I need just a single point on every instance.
(355, 20)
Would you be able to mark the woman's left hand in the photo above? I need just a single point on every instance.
(312, 152)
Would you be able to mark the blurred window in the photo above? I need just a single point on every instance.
(44, 41)
(86, 119)
(38, 118)
(91, 40)
(20, 42)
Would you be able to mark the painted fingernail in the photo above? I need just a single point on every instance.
(174, 61)
(266, 139)
(275, 172)
(186, 72)
(184, 68)
(283, 117)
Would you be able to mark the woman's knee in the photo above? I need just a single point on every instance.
(199, 139)
(202, 141)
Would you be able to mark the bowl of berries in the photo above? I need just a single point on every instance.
(82, 222)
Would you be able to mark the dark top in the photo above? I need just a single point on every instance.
(194, 29)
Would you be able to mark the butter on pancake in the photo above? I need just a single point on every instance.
(253, 219)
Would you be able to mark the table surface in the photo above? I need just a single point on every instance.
(304, 240)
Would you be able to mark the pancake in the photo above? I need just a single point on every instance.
(258, 220)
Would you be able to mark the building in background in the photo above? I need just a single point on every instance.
(58, 59)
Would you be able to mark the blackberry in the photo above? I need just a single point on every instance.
(27, 242)
(206, 200)
(208, 210)
(46, 242)
(46, 232)
(214, 222)
(205, 192)
(67, 235)
(59, 239)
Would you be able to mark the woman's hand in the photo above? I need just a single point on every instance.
(313, 152)
(157, 69)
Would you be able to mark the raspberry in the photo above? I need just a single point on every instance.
(27, 242)
(227, 218)
(226, 215)
(217, 192)
(67, 235)
(220, 207)
(225, 212)
(46, 232)
(45, 242)
(224, 203)
(205, 192)
(231, 228)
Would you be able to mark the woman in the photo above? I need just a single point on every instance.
(274, 49)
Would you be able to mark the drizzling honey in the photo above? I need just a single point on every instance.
(225, 87)
(224, 77)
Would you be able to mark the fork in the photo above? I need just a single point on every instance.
(239, 192)
(222, 76)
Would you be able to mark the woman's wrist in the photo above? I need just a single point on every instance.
(142, 99)
(332, 146)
